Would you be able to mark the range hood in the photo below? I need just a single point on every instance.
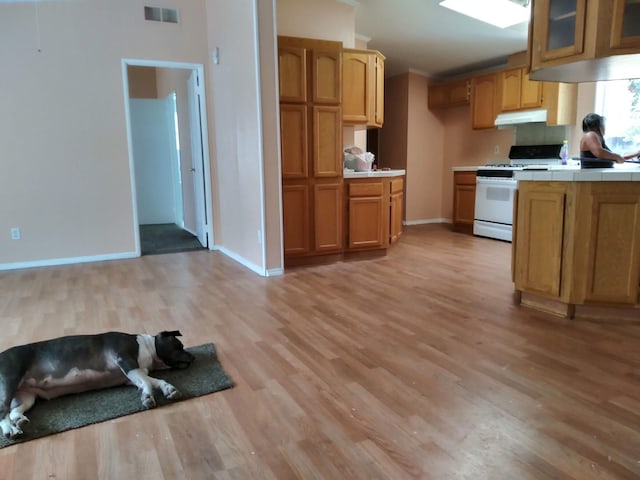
(518, 118)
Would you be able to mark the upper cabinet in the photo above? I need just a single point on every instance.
(517, 92)
(363, 87)
(450, 94)
(321, 83)
(484, 90)
(584, 40)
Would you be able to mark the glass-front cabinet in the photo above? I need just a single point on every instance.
(559, 28)
(584, 40)
(625, 32)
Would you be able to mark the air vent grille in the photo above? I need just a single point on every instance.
(157, 14)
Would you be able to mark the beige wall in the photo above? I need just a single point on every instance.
(465, 146)
(321, 19)
(428, 143)
(65, 165)
(234, 111)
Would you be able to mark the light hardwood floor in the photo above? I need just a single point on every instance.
(415, 365)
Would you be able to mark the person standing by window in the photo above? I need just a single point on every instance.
(592, 144)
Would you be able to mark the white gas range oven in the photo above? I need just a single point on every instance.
(495, 188)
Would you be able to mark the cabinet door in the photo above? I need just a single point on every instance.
(328, 207)
(625, 32)
(530, 93)
(378, 93)
(483, 101)
(327, 141)
(365, 222)
(294, 141)
(558, 29)
(296, 219)
(395, 219)
(464, 203)
(292, 71)
(540, 234)
(511, 86)
(459, 93)
(327, 76)
(613, 265)
(356, 71)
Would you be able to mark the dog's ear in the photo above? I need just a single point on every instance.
(173, 333)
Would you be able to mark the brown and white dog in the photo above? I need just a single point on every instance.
(78, 363)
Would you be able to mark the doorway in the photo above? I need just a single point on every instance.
(168, 151)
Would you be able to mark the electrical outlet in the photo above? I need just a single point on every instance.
(496, 149)
(15, 233)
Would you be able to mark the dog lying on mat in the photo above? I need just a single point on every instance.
(78, 363)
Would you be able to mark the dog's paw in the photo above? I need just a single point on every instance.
(148, 401)
(170, 392)
(19, 421)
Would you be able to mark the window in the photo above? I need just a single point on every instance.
(619, 102)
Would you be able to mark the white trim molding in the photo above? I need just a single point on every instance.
(68, 261)
(427, 221)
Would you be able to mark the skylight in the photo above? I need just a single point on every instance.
(501, 13)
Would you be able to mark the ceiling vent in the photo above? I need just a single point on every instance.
(157, 14)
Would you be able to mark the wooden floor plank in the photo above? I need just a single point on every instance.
(414, 365)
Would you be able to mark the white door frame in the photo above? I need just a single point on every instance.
(199, 68)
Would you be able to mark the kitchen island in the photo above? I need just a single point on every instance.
(577, 239)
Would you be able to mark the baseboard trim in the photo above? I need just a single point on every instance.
(68, 261)
(427, 221)
(243, 261)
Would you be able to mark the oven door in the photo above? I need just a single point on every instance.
(494, 200)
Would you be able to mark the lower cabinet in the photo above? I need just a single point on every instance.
(366, 215)
(464, 200)
(374, 212)
(312, 219)
(578, 242)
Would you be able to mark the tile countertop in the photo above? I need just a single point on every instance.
(624, 172)
(374, 173)
(466, 169)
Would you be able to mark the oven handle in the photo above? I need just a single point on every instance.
(504, 182)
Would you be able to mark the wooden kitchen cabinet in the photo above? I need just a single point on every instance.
(584, 40)
(578, 242)
(518, 92)
(396, 209)
(608, 271)
(450, 94)
(310, 79)
(366, 215)
(540, 236)
(374, 212)
(484, 90)
(363, 87)
(464, 200)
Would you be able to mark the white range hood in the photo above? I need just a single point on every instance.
(518, 118)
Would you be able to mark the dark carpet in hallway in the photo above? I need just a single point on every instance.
(166, 238)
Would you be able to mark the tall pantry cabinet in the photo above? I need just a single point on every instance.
(310, 80)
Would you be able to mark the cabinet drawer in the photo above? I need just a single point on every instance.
(397, 185)
(464, 178)
(365, 189)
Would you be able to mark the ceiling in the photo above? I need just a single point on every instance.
(422, 36)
